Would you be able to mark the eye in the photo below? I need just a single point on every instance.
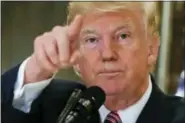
(91, 40)
(123, 36)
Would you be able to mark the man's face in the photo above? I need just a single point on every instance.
(114, 51)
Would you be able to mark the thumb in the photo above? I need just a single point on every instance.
(75, 57)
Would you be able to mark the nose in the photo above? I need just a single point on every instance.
(108, 51)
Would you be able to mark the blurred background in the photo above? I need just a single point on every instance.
(21, 22)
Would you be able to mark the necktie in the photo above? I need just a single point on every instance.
(113, 117)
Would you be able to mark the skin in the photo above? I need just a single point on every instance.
(116, 56)
(111, 50)
(53, 51)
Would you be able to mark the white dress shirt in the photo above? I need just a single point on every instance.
(25, 95)
(130, 114)
(180, 89)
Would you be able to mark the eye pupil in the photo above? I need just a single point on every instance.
(123, 36)
(91, 40)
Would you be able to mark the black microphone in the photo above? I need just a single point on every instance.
(71, 103)
(89, 103)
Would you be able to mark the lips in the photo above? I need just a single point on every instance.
(110, 73)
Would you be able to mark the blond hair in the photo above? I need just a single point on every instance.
(149, 10)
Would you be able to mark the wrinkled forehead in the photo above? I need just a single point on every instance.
(111, 21)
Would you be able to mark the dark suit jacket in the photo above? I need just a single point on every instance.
(160, 108)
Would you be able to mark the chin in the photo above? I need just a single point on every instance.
(112, 91)
(111, 88)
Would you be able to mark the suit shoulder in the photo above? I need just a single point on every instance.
(175, 100)
(178, 106)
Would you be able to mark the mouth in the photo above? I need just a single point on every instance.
(110, 73)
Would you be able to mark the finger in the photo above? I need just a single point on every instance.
(45, 33)
(52, 49)
(60, 34)
(75, 57)
(74, 28)
(54, 68)
(41, 56)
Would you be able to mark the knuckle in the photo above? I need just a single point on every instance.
(59, 31)
(46, 33)
(51, 39)
(49, 43)
(57, 28)
(36, 41)
(48, 39)
(37, 38)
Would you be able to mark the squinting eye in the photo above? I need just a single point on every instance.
(91, 40)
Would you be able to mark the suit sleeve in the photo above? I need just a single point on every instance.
(9, 113)
(24, 95)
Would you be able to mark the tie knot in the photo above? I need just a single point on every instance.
(113, 117)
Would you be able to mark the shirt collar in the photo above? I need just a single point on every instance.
(130, 114)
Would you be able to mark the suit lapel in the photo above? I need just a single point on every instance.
(95, 118)
(156, 110)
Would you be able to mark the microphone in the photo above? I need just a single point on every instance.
(72, 101)
(88, 103)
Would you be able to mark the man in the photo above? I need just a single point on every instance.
(112, 45)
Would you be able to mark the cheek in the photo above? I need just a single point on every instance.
(135, 60)
(87, 66)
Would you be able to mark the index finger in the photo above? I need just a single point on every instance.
(74, 27)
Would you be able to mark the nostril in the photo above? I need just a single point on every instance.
(109, 59)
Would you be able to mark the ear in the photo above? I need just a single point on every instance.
(153, 49)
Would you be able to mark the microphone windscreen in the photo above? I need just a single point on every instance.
(96, 94)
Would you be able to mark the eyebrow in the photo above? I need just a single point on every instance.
(127, 25)
(88, 31)
(123, 26)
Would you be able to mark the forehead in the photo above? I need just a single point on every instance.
(111, 20)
